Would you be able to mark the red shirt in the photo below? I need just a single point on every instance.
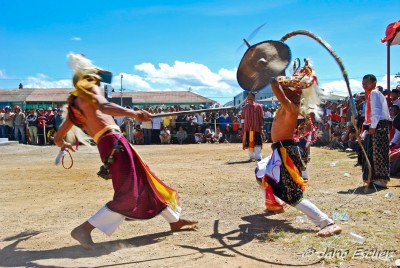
(42, 119)
(253, 116)
(335, 117)
(235, 126)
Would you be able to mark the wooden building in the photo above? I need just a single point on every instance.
(56, 97)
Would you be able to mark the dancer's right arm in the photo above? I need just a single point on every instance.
(116, 110)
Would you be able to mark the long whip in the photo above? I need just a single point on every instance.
(346, 79)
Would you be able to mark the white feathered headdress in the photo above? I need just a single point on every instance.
(82, 67)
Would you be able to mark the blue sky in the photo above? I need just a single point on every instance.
(177, 45)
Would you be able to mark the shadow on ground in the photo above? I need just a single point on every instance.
(231, 241)
(12, 256)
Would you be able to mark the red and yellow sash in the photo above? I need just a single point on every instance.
(163, 192)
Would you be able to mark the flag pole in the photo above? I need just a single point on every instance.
(388, 71)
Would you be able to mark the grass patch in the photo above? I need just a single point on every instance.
(273, 235)
(363, 211)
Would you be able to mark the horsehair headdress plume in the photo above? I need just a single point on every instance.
(346, 79)
(82, 66)
(79, 62)
(311, 101)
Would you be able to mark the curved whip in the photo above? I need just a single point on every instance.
(346, 79)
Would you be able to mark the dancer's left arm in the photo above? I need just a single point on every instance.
(61, 133)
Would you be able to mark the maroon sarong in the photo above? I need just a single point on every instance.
(134, 197)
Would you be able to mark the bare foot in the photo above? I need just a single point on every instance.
(176, 226)
(329, 230)
(83, 237)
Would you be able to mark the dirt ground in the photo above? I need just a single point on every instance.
(41, 203)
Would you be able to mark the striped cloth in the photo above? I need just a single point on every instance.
(253, 116)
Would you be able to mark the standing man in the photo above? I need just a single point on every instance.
(8, 117)
(147, 127)
(268, 117)
(394, 97)
(138, 193)
(156, 127)
(2, 127)
(50, 113)
(31, 119)
(253, 116)
(376, 133)
(42, 127)
(169, 121)
(19, 125)
(58, 119)
(394, 111)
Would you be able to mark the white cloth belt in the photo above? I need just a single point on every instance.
(270, 166)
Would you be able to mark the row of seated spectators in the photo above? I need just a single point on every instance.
(334, 130)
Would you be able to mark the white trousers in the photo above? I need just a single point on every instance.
(314, 214)
(108, 221)
(257, 153)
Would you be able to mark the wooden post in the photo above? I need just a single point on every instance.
(388, 72)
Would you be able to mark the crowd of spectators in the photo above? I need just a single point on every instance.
(30, 126)
(223, 126)
(334, 129)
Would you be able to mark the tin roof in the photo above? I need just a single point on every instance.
(138, 97)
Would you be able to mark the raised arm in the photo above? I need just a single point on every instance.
(286, 103)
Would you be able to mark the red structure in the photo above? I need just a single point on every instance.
(392, 38)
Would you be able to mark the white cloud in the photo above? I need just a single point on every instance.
(221, 86)
(393, 81)
(2, 74)
(199, 78)
(182, 74)
(130, 82)
(339, 87)
(76, 39)
(43, 81)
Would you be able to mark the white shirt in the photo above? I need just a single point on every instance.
(267, 114)
(147, 124)
(327, 111)
(199, 117)
(164, 132)
(379, 108)
(157, 122)
(396, 102)
(396, 137)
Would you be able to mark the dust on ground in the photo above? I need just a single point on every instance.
(41, 203)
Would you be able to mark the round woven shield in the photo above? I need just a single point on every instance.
(261, 62)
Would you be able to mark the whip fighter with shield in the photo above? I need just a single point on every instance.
(280, 173)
